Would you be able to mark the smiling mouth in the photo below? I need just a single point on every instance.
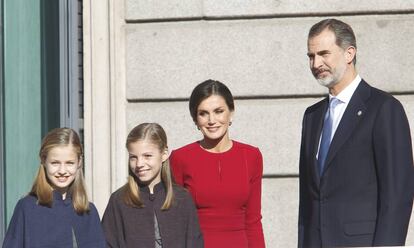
(212, 129)
(142, 172)
(62, 179)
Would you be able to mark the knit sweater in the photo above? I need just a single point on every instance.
(126, 226)
(59, 226)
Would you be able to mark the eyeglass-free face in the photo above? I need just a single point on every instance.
(62, 165)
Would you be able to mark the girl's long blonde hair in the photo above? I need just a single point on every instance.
(42, 188)
(155, 134)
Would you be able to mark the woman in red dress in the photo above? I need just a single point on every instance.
(223, 176)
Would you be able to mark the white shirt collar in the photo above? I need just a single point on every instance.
(345, 95)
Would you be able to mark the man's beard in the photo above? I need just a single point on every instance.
(333, 78)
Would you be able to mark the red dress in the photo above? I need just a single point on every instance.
(226, 188)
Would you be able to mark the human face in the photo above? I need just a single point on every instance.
(327, 61)
(145, 161)
(214, 117)
(62, 165)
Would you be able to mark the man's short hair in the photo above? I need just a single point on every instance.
(344, 34)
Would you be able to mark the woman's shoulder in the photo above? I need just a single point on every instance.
(246, 147)
(118, 194)
(252, 155)
(179, 190)
(27, 201)
(181, 193)
(92, 208)
(27, 205)
(186, 149)
(29, 198)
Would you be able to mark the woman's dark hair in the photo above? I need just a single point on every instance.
(206, 89)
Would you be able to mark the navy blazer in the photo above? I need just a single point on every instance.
(365, 194)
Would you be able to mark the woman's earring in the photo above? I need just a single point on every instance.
(230, 122)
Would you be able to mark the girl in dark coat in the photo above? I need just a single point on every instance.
(56, 213)
(149, 210)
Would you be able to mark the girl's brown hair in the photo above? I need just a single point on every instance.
(42, 188)
(155, 134)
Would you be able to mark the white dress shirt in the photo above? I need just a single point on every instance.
(344, 97)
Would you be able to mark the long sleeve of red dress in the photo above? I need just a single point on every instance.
(226, 188)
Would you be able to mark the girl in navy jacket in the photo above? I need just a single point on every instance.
(56, 212)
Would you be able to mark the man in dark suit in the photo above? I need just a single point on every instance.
(356, 158)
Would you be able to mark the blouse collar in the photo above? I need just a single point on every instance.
(158, 187)
(58, 198)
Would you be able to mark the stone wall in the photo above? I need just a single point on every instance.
(162, 49)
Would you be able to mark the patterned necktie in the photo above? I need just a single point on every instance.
(326, 134)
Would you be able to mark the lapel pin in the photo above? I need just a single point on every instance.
(359, 113)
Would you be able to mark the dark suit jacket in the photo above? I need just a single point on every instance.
(365, 194)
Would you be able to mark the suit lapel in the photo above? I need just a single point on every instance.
(350, 119)
(315, 134)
